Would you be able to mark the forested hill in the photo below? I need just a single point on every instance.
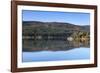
(50, 26)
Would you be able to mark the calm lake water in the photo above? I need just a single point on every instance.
(54, 50)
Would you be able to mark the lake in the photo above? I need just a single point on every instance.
(54, 50)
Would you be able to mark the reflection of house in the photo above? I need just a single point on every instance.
(70, 39)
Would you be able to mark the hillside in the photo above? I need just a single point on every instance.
(52, 27)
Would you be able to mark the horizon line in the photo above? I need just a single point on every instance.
(56, 22)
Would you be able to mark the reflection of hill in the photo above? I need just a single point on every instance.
(51, 45)
(51, 35)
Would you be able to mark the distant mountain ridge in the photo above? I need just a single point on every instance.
(63, 25)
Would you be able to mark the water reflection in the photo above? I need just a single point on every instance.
(54, 50)
(42, 56)
(52, 45)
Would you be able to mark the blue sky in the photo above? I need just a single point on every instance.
(53, 16)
